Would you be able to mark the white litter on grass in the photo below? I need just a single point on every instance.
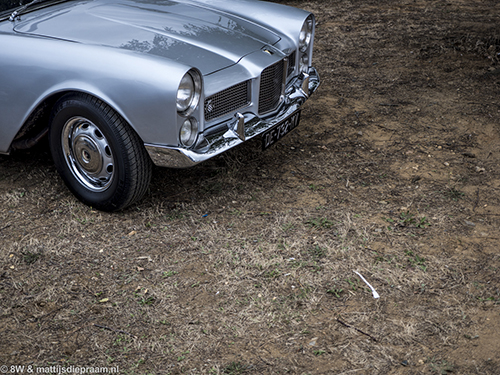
(374, 292)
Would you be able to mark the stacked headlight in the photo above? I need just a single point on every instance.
(305, 40)
(188, 93)
(188, 98)
(188, 132)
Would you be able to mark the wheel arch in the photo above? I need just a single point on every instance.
(36, 125)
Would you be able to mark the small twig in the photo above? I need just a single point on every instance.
(5, 227)
(350, 371)
(357, 329)
(476, 203)
(436, 325)
(486, 238)
(267, 363)
(50, 313)
(114, 330)
(85, 324)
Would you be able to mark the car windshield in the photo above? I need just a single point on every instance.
(12, 5)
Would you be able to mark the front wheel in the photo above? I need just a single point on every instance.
(98, 155)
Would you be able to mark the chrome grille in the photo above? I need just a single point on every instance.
(228, 100)
(271, 86)
(291, 63)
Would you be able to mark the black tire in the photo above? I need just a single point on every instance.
(98, 155)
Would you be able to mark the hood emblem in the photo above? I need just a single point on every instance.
(268, 51)
(209, 106)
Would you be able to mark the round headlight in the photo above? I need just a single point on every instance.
(188, 132)
(306, 34)
(188, 93)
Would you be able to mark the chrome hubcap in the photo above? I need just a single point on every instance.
(88, 154)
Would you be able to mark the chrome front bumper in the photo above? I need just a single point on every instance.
(244, 126)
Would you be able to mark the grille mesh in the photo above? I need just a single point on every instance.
(271, 81)
(238, 96)
(227, 100)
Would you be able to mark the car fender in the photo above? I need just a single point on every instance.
(141, 88)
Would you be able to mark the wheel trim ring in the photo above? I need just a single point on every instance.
(88, 154)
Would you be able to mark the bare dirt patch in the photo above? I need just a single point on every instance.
(244, 265)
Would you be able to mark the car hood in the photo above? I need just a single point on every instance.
(185, 32)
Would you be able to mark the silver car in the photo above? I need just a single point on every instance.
(120, 85)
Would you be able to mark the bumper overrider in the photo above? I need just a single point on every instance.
(244, 126)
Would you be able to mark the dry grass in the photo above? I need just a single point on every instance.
(244, 265)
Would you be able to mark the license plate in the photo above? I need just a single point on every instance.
(274, 134)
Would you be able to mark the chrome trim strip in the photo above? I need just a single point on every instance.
(285, 74)
(177, 157)
(305, 84)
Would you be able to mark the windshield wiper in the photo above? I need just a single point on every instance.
(21, 9)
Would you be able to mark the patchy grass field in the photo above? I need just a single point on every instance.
(245, 264)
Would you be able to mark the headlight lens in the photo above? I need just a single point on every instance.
(305, 36)
(188, 132)
(188, 93)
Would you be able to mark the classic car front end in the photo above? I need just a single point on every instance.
(183, 80)
(267, 105)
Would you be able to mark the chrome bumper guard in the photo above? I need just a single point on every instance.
(243, 127)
